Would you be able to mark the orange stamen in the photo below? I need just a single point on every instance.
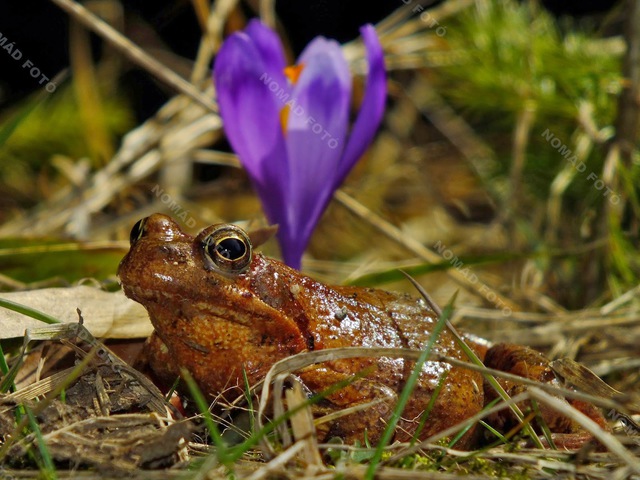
(293, 72)
(284, 117)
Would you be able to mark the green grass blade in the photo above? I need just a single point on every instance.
(427, 411)
(7, 380)
(8, 127)
(49, 471)
(405, 395)
(4, 367)
(28, 311)
(203, 406)
(249, 398)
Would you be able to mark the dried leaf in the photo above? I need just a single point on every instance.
(106, 314)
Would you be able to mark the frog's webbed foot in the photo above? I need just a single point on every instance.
(528, 363)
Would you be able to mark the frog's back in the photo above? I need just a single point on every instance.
(378, 318)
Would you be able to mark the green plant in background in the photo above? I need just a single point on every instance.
(513, 53)
(516, 59)
(40, 129)
(546, 101)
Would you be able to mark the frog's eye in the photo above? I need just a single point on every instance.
(137, 231)
(228, 249)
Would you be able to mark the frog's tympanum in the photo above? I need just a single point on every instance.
(219, 308)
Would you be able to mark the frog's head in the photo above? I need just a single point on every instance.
(166, 264)
(212, 301)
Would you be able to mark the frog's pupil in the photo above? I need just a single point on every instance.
(231, 248)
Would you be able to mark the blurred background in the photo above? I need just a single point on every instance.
(508, 150)
(504, 175)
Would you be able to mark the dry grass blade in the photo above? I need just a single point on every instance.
(607, 439)
(603, 402)
(123, 442)
(302, 424)
(451, 431)
(212, 38)
(279, 410)
(39, 388)
(618, 302)
(580, 377)
(143, 151)
(404, 22)
(79, 410)
(280, 462)
(415, 247)
(268, 12)
(135, 53)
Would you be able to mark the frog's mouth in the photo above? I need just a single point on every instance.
(150, 297)
(160, 298)
(137, 294)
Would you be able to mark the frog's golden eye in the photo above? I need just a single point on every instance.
(228, 249)
(137, 231)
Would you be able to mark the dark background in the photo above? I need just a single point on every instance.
(39, 30)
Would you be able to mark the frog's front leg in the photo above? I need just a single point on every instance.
(528, 363)
(156, 361)
(351, 427)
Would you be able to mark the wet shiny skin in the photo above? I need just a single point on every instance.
(215, 321)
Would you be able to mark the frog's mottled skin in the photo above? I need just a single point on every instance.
(216, 323)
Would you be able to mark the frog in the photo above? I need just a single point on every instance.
(227, 313)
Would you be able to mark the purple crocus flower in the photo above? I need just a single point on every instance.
(290, 125)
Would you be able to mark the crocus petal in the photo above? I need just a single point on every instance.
(315, 133)
(373, 103)
(270, 48)
(248, 107)
(251, 115)
(296, 171)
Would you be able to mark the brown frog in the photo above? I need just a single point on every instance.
(218, 308)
